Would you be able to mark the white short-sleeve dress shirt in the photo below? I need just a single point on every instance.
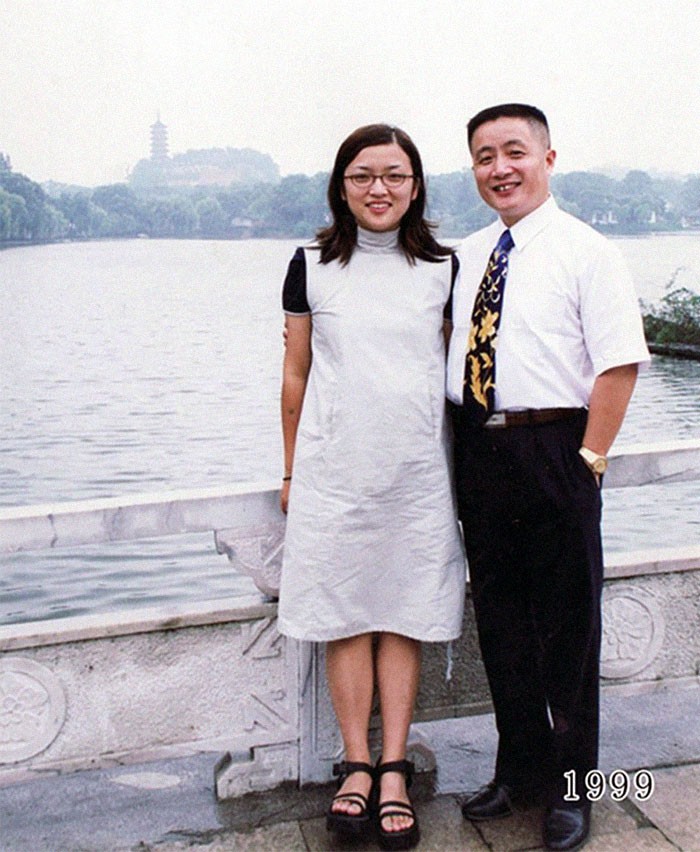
(570, 311)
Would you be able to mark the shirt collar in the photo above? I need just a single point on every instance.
(529, 226)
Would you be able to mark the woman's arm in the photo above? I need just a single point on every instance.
(295, 373)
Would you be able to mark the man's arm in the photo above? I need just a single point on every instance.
(610, 397)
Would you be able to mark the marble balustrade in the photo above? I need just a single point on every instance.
(217, 676)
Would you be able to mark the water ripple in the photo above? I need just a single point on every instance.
(141, 378)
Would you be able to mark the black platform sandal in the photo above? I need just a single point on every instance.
(350, 825)
(406, 838)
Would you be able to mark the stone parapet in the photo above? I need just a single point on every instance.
(78, 694)
(217, 676)
(91, 691)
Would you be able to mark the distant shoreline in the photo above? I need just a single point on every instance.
(685, 232)
(688, 351)
(32, 243)
(6, 244)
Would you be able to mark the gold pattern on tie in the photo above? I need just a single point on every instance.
(480, 366)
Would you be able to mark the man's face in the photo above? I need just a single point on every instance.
(512, 164)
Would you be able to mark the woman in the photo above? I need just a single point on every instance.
(372, 547)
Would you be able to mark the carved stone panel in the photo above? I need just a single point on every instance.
(263, 769)
(633, 630)
(32, 708)
(321, 745)
(234, 684)
(256, 553)
(268, 706)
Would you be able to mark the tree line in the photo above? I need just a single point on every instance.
(675, 318)
(295, 207)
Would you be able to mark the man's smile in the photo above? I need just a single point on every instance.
(504, 187)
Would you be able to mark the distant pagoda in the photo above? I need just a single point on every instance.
(159, 141)
(200, 167)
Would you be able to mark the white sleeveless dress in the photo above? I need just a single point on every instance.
(372, 542)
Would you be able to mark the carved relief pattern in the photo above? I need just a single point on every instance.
(257, 554)
(270, 766)
(267, 707)
(633, 631)
(267, 710)
(32, 709)
(261, 639)
(23, 705)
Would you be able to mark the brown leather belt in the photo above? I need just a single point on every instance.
(529, 416)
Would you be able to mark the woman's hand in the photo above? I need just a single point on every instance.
(284, 495)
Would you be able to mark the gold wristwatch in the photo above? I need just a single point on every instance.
(598, 464)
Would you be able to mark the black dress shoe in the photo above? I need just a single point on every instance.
(566, 828)
(492, 801)
(496, 800)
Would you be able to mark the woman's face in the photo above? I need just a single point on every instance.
(377, 207)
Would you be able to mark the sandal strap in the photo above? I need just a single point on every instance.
(396, 808)
(353, 798)
(405, 767)
(347, 767)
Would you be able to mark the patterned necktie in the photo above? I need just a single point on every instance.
(480, 366)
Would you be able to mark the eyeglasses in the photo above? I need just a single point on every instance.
(392, 180)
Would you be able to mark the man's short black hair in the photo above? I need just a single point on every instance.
(529, 113)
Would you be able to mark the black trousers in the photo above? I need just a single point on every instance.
(530, 511)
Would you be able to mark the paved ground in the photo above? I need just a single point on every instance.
(169, 805)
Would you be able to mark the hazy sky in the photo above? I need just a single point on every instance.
(81, 81)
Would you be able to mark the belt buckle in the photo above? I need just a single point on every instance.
(497, 419)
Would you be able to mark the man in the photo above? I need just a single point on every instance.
(534, 418)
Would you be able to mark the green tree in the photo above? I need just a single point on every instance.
(455, 205)
(123, 208)
(173, 216)
(299, 205)
(589, 194)
(240, 200)
(676, 319)
(5, 215)
(637, 183)
(55, 225)
(212, 219)
(260, 208)
(640, 205)
(15, 217)
(690, 196)
(86, 218)
(36, 216)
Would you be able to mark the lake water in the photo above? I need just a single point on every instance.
(144, 365)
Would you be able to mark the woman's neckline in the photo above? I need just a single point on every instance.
(377, 240)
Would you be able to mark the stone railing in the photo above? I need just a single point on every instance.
(218, 677)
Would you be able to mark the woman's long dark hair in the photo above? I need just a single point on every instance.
(338, 240)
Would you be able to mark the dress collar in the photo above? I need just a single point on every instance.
(377, 240)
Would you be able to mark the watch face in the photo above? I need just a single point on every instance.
(598, 464)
